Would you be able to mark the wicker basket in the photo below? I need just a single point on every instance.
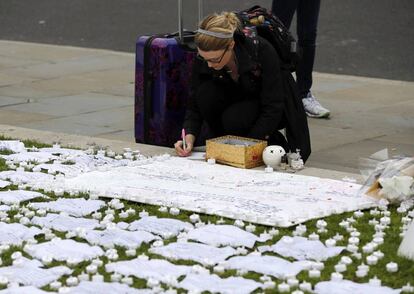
(236, 151)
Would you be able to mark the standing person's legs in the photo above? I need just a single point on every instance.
(307, 23)
(284, 10)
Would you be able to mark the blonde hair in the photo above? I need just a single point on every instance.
(225, 23)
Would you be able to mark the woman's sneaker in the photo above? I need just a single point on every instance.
(313, 108)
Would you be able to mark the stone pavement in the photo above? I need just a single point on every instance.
(83, 96)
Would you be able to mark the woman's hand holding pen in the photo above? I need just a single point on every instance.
(189, 143)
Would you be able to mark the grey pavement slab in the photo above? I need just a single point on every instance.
(12, 62)
(8, 101)
(69, 126)
(27, 91)
(80, 83)
(331, 86)
(114, 118)
(122, 90)
(346, 157)
(325, 137)
(18, 117)
(124, 135)
(83, 64)
(117, 77)
(108, 123)
(7, 80)
(403, 137)
(42, 52)
(73, 105)
(375, 117)
(405, 109)
(376, 93)
(358, 120)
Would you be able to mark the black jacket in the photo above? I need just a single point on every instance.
(260, 77)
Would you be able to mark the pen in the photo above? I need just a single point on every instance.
(183, 137)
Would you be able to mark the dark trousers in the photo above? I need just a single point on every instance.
(226, 112)
(307, 13)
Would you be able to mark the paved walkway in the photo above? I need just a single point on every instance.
(82, 96)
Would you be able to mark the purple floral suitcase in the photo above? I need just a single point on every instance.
(162, 77)
(162, 83)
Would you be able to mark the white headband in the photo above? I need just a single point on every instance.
(216, 34)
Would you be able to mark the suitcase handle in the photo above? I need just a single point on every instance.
(186, 40)
(180, 16)
(177, 34)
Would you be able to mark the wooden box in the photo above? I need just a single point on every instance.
(236, 151)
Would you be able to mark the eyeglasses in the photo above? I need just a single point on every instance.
(213, 60)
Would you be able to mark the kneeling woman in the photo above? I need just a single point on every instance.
(238, 88)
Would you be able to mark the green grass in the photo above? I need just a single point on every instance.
(389, 247)
(3, 166)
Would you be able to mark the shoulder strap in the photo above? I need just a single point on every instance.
(251, 33)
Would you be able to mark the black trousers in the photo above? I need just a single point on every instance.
(227, 111)
(307, 23)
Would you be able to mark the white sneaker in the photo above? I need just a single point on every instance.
(313, 108)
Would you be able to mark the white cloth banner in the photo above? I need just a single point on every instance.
(74, 207)
(268, 198)
(223, 235)
(265, 264)
(31, 273)
(12, 145)
(346, 287)
(164, 227)
(114, 236)
(62, 250)
(38, 179)
(204, 254)
(4, 208)
(301, 248)
(87, 287)
(15, 234)
(66, 169)
(38, 157)
(17, 196)
(23, 290)
(158, 269)
(64, 223)
(4, 183)
(214, 284)
(62, 151)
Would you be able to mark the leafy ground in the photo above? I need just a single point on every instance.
(392, 240)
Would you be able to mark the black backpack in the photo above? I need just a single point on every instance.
(258, 21)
